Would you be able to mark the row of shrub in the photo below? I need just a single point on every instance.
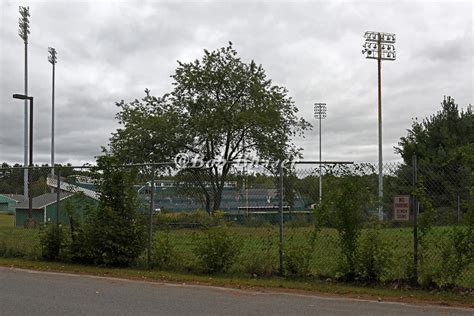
(112, 234)
(367, 257)
(217, 250)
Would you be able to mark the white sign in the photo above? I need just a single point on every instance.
(401, 207)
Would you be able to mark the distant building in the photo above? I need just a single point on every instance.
(172, 196)
(44, 208)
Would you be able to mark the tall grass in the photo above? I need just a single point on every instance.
(262, 243)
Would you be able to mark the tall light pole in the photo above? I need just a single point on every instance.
(24, 30)
(29, 221)
(379, 45)
(52, 59)
(320, 114)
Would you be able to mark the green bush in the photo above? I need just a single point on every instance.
(299, 254)
(373, 256)
(298, 260)
(345, 207)
(115, 239)
(113, 234)
(80, 212)
(164, 255)
(81, 246)
(262, 262)
(426, 238)
(53, 241)
(456, 256)
(217, 250)
(7, 251)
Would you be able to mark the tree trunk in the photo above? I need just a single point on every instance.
(208, 203)
(219, 188)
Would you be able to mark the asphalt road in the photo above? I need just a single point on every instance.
(25, 292)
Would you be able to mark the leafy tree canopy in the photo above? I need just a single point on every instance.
(443, 137)
(219, 106)
(444, 146)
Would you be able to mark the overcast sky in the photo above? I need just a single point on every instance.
(109, 51)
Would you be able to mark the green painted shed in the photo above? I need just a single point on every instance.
(44, 208)
(8, 202)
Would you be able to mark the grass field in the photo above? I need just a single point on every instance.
(16, 241)
(261, 244)
(7, 220)
(258, 247)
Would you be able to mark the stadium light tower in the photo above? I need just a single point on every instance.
(53, 60)
(320, 114)
(24, 30)
(379, 46)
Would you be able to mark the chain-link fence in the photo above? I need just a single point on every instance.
(304, 220)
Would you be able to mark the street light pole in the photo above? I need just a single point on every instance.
(30, 221)
(379, 46)
(320, 113)
(52, 59)
(24, 30)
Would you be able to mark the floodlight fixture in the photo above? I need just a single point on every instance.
(52, 58)
(379, 45)
(320, 110)
(24, 23)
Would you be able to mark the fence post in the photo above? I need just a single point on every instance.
(459, 209)
(150, 215)
(280, 209)
(58, 197)
(415, 219)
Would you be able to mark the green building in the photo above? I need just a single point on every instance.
(44, 208)
(8, 202)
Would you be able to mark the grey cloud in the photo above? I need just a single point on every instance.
(456, 49)
(112, 51)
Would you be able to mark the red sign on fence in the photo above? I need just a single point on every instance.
(401, 207)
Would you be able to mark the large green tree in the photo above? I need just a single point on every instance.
(441, 137)
(444, 146)
(11, 179)
(221, 107)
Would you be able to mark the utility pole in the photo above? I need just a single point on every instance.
(53, 60)
(379, 46)
(320, 113)
(24, 30)
(29, 223)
